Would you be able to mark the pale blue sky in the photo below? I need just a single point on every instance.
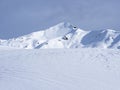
(19, 17)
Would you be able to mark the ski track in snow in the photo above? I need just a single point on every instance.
(60, 69)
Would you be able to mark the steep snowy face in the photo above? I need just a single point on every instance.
(65, 35)
(102, 38)
(40, 38)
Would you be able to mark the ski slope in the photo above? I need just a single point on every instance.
(59, 69)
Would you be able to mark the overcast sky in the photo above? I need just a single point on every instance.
(19, 17)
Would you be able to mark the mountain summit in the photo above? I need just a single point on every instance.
(65, 35)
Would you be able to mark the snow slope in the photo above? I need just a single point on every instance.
(60, 69)
(65, 35)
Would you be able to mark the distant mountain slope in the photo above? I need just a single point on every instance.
(65, 35)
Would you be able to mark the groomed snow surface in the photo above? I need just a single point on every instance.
(60, 69)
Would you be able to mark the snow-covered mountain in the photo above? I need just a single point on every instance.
(61, 69)
(65, 35)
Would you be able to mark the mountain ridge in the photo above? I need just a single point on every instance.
(65, 35)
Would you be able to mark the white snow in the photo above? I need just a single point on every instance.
(65, 35)
(31, 62)
(60, 69)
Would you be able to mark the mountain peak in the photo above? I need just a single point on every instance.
(63, 25)
(58, 30)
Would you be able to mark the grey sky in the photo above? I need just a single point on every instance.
(19, 17)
